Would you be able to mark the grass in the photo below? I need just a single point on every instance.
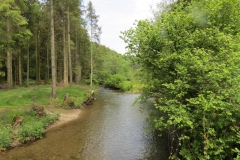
(24, 97)
(18, 102)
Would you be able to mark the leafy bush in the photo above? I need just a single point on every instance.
(30, 131)
(49, 119)
(126, 86)
(115, 81)
(5, 137)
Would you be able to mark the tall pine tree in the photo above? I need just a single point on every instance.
(95, 32)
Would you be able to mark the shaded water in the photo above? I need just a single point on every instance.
(110, 129)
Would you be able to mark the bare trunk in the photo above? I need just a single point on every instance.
(37, 59)
(53, 55)
(65, 58)
(20, 69)
(69, 51)
(77, 64)
(47, 66)
(91, 75)
(9, 67)
(9, 57)
(28, 59)
(15, 73)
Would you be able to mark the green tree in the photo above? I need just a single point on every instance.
(12, 31)
(190, 56)
(24, 28)
(95, 32)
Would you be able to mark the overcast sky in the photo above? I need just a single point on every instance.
(119, 15)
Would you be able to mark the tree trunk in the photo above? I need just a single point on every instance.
(53, 61)
(69, 50)
(20, 69)
(28, 59)
(15, 75)
(47, 66)
(77, 64)
(65, 58)
(37, 59)
(91, 74)
(9, 57)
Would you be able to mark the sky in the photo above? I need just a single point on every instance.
(119, 15)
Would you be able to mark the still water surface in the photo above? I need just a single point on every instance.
(110, 129)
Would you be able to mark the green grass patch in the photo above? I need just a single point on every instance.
(25, 97)
(19, 102)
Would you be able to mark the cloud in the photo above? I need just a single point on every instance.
(119, 15)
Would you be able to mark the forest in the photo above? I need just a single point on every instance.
(55, 41)
(189, 59)
(51, 55)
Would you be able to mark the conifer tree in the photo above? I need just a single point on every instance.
(12, 32)
(95, 32)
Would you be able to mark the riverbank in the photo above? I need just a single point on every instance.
(65, 116)
(27, 112)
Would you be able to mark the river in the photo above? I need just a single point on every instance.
(110, 129)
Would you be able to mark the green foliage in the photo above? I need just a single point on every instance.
(30, 131)
(49, 119)
(126, 86)
(5, 137)
(113, 69)
(107, 63)
(115, 81)
(33, 129)
(190, 58)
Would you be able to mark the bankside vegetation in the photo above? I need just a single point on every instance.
(25, 112)
(189, 57)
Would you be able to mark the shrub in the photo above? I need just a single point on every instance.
(49, 119)
(126, 86)
(115, 81)
(30, 131)
(5, 137)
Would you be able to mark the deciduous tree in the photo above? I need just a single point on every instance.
(190, 56)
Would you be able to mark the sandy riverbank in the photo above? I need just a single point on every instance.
(65, 116)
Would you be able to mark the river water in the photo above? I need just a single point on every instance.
(110, 129)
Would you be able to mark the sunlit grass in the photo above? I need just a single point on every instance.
(25, 97)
